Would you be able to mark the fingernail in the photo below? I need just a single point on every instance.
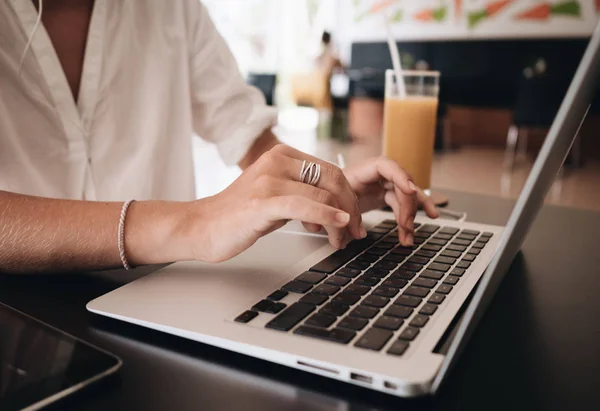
(409, 239)
(342, 217)
(363, 232)
(412, 185)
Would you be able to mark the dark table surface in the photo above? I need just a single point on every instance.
(538, 346)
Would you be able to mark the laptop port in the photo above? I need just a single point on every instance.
(361, 378)
(390, 385)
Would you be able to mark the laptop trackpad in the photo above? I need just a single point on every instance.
(240, 282)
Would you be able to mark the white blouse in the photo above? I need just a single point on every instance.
(155, 72)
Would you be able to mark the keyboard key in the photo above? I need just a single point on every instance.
(363, 311)
(246, 316)
(445, 260)
(443, 236)
(346, 298)
(419, 320)
(432, 247)
(409, 333)
(484, 240)
(377, 251)
(358, 265)
(367, 280)
(386, 265)
(385, 245)
(434, 275)
(456, 247)
(341, 257)
(380, 230)
(375, 301)
(263, 305)
(438, 267)
(337, 280)
(463, 264)
(461, 242)
(277, 295)
(449, 230)
(395, 283)
(296, 286)
(336, 335)
(479, 245)
(385, 291)
(472, 232)
(487, 235)
(403, 274)
(450, 253)
(401, 250)
(457, 272)
(314, 298)
(374, 236)
(411, 267)
(357, 289)
(327, 289)
(389, 222)
(418, 240)
(399, 311)
(321, 320)
(452, 280)
(428, 228)
(389, 323)
(390, 261)
(444, 289)
(275, 308)
(437, 241)
(418, 260)
(335, 308)
(391, 239)
(291, 316)
(398, 348)
(436, 298)
(349, 272)
(353, 323)
(425, 253)
(416, 291)
(466, 237)
(474, 251)
(367, 258)
(425, 282)
(408, 301)
(374, 339)
(428, 309)
(311, 277)
(469, 257)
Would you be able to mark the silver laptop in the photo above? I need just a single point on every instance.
(375, 314)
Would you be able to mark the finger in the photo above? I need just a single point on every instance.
(427, 203)
(406, 239)
(389, 170)
(408, 210)
(313, 228)
(337, 236)
(333, 180)
(297, 207)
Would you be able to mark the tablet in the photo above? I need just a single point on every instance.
(40, 364)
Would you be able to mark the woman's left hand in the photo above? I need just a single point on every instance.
(382, 181)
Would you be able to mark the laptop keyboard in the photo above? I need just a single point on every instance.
(375, 293)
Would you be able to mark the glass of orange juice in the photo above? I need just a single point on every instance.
(409, 122)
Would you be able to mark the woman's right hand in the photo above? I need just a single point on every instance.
(264, 198)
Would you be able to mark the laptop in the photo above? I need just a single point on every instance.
(375, 314)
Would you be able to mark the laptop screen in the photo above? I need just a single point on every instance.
(551, 157)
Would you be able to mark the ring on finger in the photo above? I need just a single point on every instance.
(310, 173)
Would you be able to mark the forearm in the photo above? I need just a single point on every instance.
(264, 143)
(43, 235)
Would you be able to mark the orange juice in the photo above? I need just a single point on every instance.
(408, 134)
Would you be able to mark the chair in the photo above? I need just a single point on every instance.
(265, 83)
(538, 100)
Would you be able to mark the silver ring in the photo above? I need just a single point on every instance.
(310, 173)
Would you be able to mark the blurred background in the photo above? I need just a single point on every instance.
(505, 66)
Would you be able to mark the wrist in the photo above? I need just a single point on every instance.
(154, 232)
